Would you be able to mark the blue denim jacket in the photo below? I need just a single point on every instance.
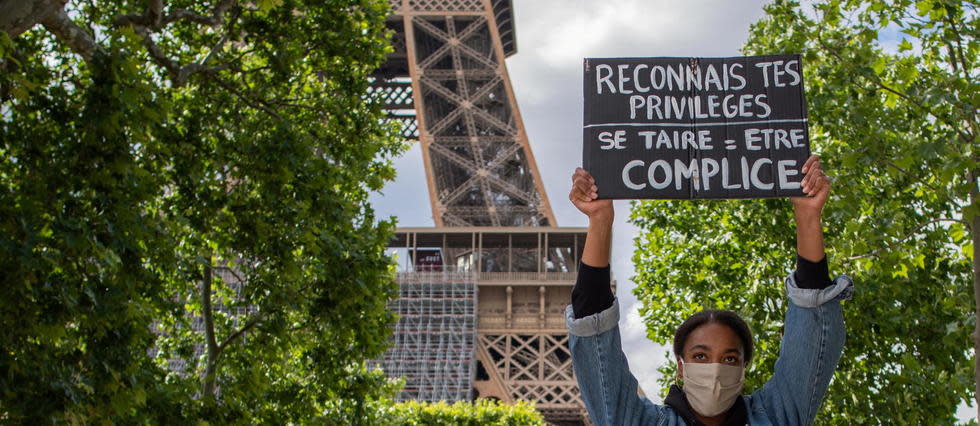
(813, 339)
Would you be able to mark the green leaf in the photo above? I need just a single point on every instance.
(923, 7)
(266, 5)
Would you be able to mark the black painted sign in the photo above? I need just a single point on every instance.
(684, 128)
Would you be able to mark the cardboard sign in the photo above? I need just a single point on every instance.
(686, 128)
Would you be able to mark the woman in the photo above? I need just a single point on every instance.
(712, 348)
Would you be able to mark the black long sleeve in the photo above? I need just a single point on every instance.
(593, 286)
(812, 275)
(592, 292)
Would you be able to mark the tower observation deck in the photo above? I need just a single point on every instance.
(482, 294)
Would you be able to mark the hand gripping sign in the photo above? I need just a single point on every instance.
(689, 128)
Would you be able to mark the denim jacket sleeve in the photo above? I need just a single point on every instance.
(813, 338)
(608, 388)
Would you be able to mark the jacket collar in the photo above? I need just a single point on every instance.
(737, 415)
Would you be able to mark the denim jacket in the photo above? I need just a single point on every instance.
(813, 339)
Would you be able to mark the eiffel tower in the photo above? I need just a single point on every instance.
(483, 292)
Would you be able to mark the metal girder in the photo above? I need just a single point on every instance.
(480, 172)
(454, 55)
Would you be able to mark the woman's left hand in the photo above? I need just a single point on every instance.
(816, 185)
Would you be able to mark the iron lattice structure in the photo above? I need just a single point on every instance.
(482, 317)
(447, 82)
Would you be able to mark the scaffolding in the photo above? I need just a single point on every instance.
(434, 341)
(446, 82)
(510, 342)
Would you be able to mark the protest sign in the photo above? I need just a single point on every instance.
(686, 128)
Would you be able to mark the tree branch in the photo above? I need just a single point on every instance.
(905, 237)
(959, 48)
(256, 320)
(152, 19)
(967, 69)
(77, 39)
(178, 74)
(892, 164)
(261, 105)
(19, 15)
(156, 53)
(211, 342)
(214, 20)
(877, 82)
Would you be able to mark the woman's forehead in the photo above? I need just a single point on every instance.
(713, 336)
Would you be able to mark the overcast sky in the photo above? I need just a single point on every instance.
(552, 38)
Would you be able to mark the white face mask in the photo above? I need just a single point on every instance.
(711, 389)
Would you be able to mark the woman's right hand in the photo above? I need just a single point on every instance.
(583, 195)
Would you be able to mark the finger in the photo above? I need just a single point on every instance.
(586, 184)
(813, 180)
(807, 183)
(814, 167)
(824, 188)
(811, 186)
(583, 189)
(582, 172)
(813, 160)
(576, 197)
(809, 162)
(822, 184)
(815, 175)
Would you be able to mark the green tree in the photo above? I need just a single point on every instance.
(479, 412)
(170, 163)
(892, 95)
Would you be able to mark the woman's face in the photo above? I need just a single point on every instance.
(713, 343)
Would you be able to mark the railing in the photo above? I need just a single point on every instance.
(454, 274)
(527, 276)
(445, 275)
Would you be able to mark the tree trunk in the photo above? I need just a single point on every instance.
(975, 232)
(210, 371)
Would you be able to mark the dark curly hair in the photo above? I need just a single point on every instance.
(728, 318)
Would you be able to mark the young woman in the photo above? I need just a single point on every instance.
(712, 348)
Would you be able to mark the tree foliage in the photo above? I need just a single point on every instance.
(892, 96)
(155, 154)
(479, 412)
